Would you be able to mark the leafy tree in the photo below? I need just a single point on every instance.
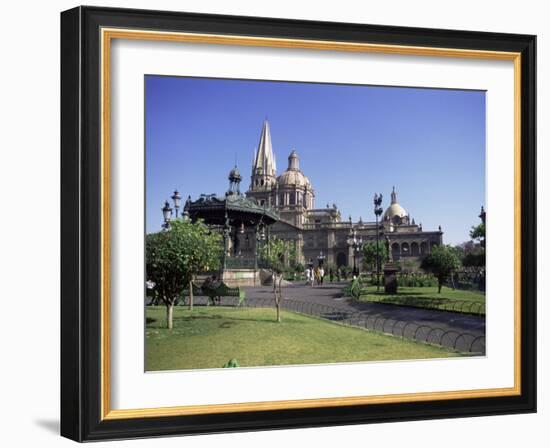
(442, 262)
(273, 254)
(291, 255)
(478, 234)
(472, 253)
(369, 254)
(299, 268)
(175, 256)
(474, 259)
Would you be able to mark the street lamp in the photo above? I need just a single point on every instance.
(260, 238)
(167, 214)
(320, 258)
(177, 200)
(355, 243)
(405, 250)
(377, 212)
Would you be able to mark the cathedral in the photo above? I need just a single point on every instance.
(320, 233)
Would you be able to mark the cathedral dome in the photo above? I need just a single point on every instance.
(293, 177)
(394, 210)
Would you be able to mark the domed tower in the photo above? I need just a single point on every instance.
(234, 182)
(395, 215)
(294, 193)
(264, 170)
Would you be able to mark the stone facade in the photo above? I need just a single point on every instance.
(322, 230)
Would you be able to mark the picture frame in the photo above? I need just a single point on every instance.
(86, 37)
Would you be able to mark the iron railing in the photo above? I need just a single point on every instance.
(463, 342)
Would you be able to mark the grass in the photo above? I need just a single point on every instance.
(471, 302)
(210, 337)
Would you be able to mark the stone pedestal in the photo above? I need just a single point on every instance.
(390, 278)
(241, 277)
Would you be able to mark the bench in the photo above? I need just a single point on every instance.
(215, 294)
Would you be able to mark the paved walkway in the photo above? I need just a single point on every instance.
(327, 301)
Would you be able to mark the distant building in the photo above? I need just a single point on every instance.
(322, 230)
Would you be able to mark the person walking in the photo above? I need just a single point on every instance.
(321, 274)
(316, 274)
(308, 276)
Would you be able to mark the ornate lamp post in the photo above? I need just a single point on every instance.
(177, 201)
(167, 214)
(377, 212)
(405, 253)
(260, 238)
(320, 258)
(226, 237)
(355, 244)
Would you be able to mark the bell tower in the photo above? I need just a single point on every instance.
(264, 170)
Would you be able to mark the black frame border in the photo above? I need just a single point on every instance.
(81, 223)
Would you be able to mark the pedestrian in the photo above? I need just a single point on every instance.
(330, 275)
(338, 275)
(321, 274)
(316, 274)
(308, 276)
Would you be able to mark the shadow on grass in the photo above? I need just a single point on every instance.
(228, 319)
(399, 294)
(427, 302)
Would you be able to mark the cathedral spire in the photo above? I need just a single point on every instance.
(264, 161)
(394, 196)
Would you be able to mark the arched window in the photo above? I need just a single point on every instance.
(414, 249)
(405, 251)
(292, 198)
(395, 252)
(282, 199)
(423, 248)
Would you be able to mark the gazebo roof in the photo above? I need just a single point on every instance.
(238, 208)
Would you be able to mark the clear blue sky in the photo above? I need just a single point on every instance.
(352, 141)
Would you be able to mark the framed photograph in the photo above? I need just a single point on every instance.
(274, 223)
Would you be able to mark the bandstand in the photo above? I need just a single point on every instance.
(244, 224)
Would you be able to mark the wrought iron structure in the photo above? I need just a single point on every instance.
(377, 212)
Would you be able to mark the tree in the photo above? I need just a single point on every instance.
(472, 253)
(478, 234)
(442, 262)
(175, 256)
(273, 254)
(473, 257)
(369, 254)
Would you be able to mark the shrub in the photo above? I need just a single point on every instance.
(231, 363)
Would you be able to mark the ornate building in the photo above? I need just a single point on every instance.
(321, 232)
(286, 204)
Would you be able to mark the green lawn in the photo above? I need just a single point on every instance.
(427, 297)
(210, 337)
